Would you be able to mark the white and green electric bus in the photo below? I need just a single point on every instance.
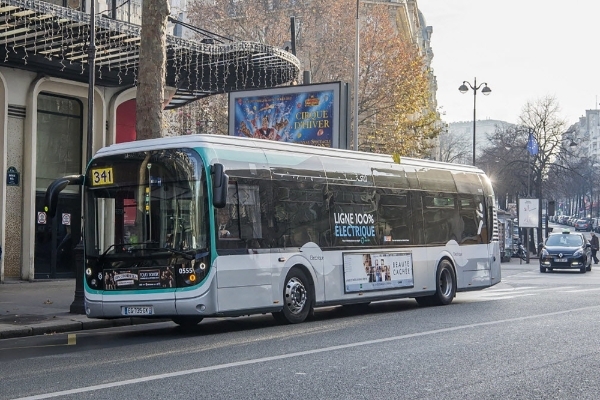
(207, 226)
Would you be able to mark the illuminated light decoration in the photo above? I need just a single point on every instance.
(54, 40)
(192, 278)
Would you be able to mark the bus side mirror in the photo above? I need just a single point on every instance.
(51, 197)
(220, 181)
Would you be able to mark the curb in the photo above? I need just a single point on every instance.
(62, 326)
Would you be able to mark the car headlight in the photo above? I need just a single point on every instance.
(578, 253)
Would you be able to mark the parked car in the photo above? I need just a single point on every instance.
(583, 224)
(566, 250)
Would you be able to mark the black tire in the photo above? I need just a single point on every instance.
(445, 287)
(298, 299)
(187, 322)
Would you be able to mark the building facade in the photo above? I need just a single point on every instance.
(44, 105)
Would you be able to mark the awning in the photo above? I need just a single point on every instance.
(53, 40)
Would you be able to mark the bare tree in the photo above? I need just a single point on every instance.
(454, 147)
(152, 69)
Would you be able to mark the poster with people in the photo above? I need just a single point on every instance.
(377, 271)
(298, 114)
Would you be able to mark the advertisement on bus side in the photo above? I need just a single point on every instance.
(365, 272)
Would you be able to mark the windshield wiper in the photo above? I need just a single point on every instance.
(109, 248)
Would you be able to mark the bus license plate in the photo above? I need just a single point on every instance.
(137, 310)
(560, 260)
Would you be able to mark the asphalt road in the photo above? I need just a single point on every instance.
(533, 336)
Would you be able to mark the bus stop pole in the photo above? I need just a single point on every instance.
(527, 245)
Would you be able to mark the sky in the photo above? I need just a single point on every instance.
(525, 50)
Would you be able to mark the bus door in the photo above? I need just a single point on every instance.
(473, 235)
(55, 238)
(491, 238)
(244, 270)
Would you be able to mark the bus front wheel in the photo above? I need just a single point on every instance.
(445, 287)
(297, 298)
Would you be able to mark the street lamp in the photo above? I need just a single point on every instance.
(464, 89)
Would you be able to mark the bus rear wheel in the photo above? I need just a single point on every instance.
(187, 322)
(445, 287)
(297, 298)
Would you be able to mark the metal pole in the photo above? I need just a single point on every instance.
(78, 307)
(474, 115)
(293, 34)
(356, 72)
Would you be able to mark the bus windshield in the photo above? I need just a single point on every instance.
(144, 203)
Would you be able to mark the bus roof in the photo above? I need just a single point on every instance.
(216, 141)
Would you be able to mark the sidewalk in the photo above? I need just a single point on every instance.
(42, 307)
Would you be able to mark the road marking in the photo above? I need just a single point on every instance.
(511, 297)
(580, 290)
(509, 290)
(217, 367)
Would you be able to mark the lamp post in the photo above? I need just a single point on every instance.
(78, 304)
(356, 76)
(464, 88)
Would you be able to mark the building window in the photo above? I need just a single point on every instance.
(59, 138)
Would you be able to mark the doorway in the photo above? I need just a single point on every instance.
(59, 153)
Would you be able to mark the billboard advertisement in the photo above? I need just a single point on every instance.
(306, 114)
(529, 213)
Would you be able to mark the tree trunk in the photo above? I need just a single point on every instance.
(152, 69)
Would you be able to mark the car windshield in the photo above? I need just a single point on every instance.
(564, 240)
(582, 221)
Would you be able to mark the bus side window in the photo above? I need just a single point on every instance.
(228, 221)
(440, 217)
(300, 214)
(394, 218)
(470, 220)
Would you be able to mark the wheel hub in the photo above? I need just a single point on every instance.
(295, 295)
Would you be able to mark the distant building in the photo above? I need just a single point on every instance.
(586, 133)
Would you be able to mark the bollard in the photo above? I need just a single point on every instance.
(78, 306)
